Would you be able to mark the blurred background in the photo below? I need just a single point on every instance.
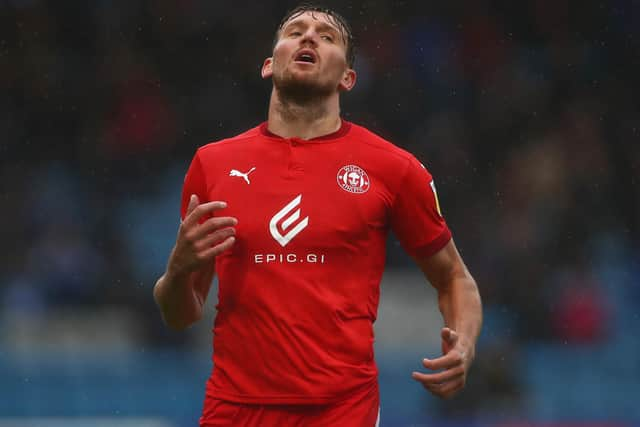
(526, 113)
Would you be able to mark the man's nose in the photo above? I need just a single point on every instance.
(310, 36)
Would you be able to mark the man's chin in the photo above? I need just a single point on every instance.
(301, 88)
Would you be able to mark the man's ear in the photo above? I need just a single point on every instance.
(267, 68)
(348, 80)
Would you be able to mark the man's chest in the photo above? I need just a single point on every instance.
(303, 198)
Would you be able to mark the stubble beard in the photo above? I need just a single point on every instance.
(301, 90)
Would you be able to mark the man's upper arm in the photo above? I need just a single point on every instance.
(415, 213)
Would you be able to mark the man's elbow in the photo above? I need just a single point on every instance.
(180, 323)
(175, 318)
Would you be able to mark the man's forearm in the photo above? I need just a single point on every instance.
(461, 307)
(178, 298)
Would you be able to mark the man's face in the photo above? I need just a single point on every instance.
(309, 58)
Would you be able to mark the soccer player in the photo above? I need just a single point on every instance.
(292, 216)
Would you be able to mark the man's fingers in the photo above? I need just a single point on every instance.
(448, 389)
(433, 386)
(449, 335)
(202, 210)
(193, 202)
(217, 249)
(444, 389)
(449, 360)
(215, 237)
(213, 224)
(451, 368)
(439, 377)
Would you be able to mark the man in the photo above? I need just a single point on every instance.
(293, 217)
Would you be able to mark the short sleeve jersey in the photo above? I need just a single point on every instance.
(298, 292)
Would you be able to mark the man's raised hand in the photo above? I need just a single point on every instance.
(199, 243)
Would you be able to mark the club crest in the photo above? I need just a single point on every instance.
(353, 179)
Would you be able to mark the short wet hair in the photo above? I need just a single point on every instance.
(334, 17)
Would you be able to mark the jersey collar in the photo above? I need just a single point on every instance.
(345, 126)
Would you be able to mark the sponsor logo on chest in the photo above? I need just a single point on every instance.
(284, 226)
(283, 222)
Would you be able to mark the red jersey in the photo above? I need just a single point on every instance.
(299, 290)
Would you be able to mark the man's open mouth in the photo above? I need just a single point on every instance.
(306, 56)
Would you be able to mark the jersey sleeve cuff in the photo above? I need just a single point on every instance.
(425, 251)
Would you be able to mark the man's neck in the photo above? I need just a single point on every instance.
(290, 119)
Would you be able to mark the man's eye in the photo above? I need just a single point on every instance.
(295, 33)
(327, 38)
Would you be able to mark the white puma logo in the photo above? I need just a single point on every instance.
(235, 172)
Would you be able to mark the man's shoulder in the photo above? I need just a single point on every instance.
(241, 138)
(366, 136)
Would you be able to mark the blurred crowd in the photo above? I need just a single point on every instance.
(526, 113)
